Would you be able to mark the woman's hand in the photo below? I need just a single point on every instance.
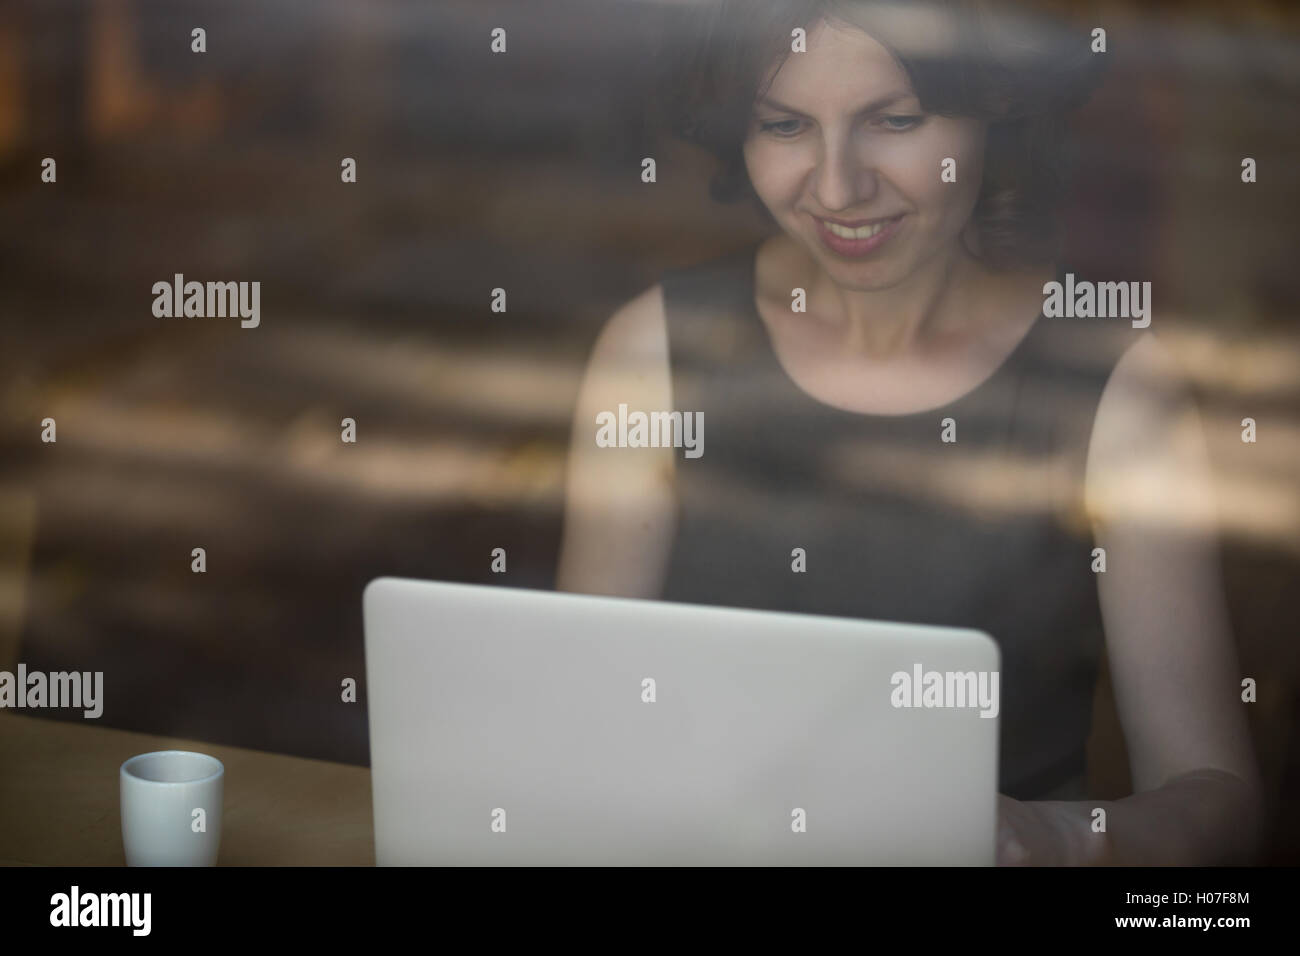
(1047, 833)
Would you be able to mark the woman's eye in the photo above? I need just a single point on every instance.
(900, 123)
(780, 127)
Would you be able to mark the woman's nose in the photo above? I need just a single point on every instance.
(843, 179)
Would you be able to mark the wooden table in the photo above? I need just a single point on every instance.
(59, 799)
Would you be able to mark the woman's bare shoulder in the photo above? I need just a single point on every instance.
(637, 330)
(1147, 457)
(629, 361)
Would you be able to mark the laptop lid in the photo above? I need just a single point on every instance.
(515, 726)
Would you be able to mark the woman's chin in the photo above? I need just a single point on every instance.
(859, 276)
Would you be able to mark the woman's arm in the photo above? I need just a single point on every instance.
(620, 508)
(1197, 793)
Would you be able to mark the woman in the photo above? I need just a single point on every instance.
(908, 155)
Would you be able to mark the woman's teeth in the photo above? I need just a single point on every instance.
(861, 232)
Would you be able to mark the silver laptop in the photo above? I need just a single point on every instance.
(514, 726)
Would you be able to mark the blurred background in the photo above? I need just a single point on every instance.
(477, 171)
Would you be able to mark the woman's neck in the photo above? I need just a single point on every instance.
(937, 303)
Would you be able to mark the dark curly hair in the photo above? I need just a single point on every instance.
(1022, 68)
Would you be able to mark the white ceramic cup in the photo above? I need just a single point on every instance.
(160, 792)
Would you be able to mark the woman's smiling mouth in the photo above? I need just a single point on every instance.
(858, 239)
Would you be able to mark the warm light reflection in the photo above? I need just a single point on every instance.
(456, 462)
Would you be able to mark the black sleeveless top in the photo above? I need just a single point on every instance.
(986, 532)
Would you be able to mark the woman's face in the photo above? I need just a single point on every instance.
(839, 136)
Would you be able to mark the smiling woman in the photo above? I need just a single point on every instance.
(909, 156)
(1011, 71)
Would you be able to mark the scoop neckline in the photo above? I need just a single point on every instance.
(750, 286)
